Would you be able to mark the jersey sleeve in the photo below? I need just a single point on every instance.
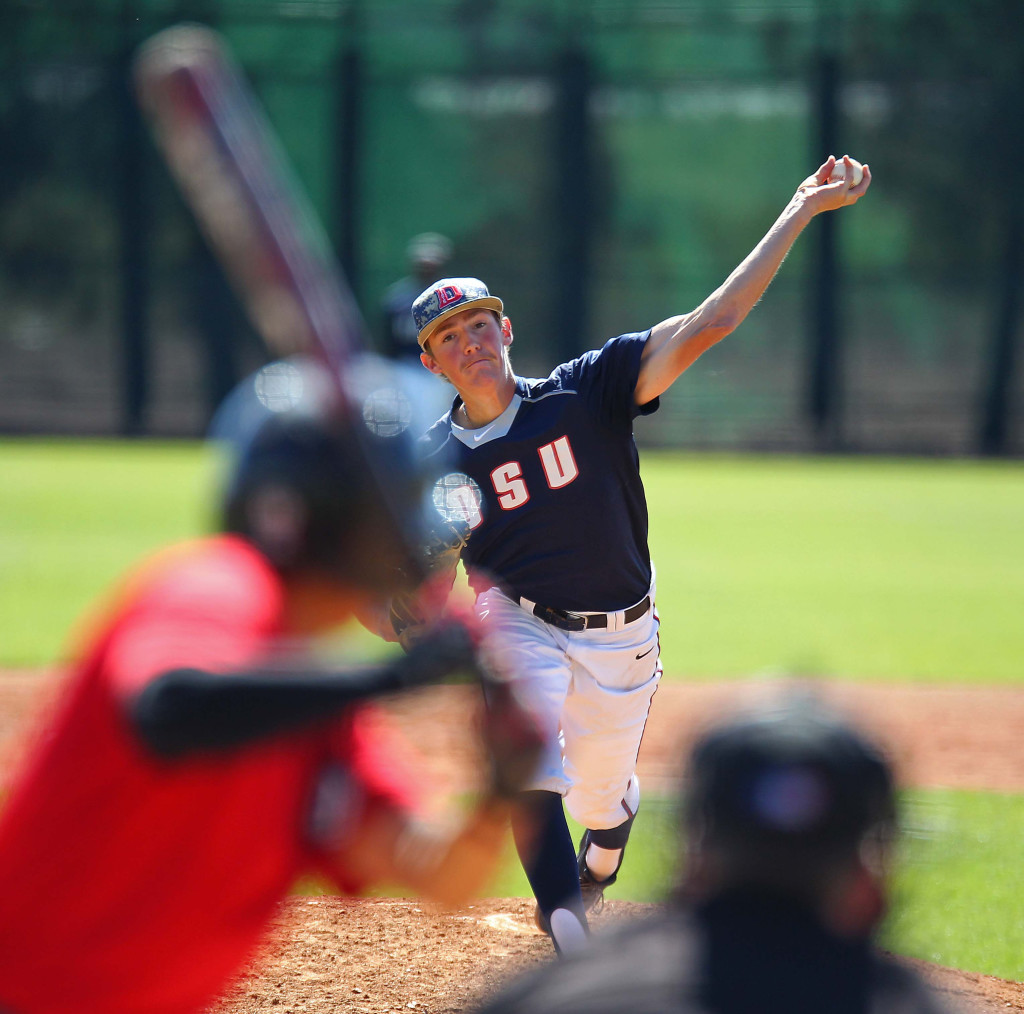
(199, 609)
(607, 378)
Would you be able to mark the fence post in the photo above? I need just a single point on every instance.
(349, 88)
(573, 199)
(996, 408)
(132, 211)
(825, 340)
(994, 430)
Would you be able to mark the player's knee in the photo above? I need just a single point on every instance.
(604, 816)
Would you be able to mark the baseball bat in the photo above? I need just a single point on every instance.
(230, 168)
(233, 174)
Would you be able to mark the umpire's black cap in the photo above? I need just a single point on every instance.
(794, 776)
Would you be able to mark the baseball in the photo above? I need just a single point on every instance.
(839, 172)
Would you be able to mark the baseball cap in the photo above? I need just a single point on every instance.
(792, 774)
(447, 297)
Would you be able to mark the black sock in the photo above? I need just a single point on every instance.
(547, 852)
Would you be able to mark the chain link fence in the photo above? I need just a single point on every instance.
(601, 165)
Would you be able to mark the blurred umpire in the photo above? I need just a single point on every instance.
(201, 758)
(789, 818)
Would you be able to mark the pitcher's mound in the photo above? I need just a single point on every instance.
(380, 956)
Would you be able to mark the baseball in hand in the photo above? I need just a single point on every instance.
(839, 172)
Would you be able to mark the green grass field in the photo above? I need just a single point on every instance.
(959, 892)
(862, 568)
(859, 568)
(958, 889)
(73, 516)
(895, 570)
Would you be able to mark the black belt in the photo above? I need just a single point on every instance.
(583, 621)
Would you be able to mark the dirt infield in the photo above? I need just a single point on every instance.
(376, 956)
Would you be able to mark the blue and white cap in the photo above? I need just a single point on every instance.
(446, 298)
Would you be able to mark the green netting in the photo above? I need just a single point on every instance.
(702, 121)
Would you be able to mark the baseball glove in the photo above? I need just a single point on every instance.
(411, 611)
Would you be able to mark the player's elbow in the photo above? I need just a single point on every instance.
(721, 323)
(710, 333)
(164, 712)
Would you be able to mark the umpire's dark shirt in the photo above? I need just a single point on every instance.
(742, 954)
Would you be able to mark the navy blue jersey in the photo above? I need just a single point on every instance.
(564, 517)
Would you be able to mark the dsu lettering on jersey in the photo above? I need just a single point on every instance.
(562, 517)
(558, 463)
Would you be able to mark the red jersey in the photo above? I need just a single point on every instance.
(135, 885)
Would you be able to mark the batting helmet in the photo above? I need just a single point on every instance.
(324, 483)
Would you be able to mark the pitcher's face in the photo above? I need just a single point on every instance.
(469, 349)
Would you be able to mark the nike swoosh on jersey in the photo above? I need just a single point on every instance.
(492, 431)
(647, 652)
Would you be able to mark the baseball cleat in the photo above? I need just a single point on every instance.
(593, 891)
(591, 888)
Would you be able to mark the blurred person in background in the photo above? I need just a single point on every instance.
(789, 820)
(202, 756)
(427, 254)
